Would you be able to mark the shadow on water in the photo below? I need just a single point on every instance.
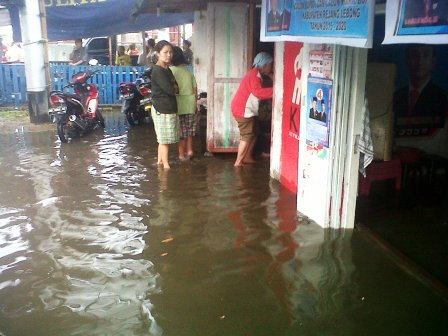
(96, 240)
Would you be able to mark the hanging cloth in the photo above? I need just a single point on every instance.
(365, 144)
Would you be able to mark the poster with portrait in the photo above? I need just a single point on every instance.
(337, 22)
(278, 16)
(417, 21)
(420, 106)
(420, 91)
(319, 111)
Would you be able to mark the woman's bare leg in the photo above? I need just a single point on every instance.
(164, 151)
(181, 146)
(249, 156)
(242, 151)
(190, 146)
(159, 157)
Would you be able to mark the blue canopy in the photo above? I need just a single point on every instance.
(105, 18)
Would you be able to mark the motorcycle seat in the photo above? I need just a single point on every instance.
(74, 95)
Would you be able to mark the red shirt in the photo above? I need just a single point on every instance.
(247, 97)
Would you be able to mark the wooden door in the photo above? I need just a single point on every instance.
(228, 28)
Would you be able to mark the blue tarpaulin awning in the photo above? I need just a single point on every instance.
(109, 17)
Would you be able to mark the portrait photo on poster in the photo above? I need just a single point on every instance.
(319, 107)
(419, 95)
(420, 106)
(278, 17)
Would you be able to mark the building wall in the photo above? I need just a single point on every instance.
(286, 113)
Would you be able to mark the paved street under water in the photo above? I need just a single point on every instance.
(95, 239)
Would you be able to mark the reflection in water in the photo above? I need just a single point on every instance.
(97, 240)
(318, 281)
(83, 231)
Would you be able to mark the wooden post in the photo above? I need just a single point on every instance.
(250, 33)
(111, 56)
(144, 42)
(1, 49)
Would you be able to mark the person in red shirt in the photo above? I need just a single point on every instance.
(245, 105)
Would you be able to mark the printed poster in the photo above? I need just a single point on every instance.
(417, 21)
(319, 111)
(347, 22)
(321, 63)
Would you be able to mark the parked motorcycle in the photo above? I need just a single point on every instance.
(136, 96)
(76, 114)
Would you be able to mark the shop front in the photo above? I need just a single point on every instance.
(322, 90)
(320, 73)
(352, 86)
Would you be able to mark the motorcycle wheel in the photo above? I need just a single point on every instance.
(132, 118)
(63, 131)
(142, 114)
(100, 119)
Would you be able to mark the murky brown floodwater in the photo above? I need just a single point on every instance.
(96, 240)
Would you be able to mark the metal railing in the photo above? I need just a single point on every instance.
(13, 81)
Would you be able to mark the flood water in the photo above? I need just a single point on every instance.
(97, 240)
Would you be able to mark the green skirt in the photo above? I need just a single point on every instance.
(166, 127)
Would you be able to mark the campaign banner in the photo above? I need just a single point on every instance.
(346, 22)
(293, 78)
(319, 107)
(416, 21)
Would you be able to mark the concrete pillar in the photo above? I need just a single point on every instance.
(277, 113)
(34, 44)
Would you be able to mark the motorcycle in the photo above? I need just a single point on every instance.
(76, 114)
(136, 96)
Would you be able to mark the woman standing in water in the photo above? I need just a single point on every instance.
(186, 104)
(245, 105)
(164, 111)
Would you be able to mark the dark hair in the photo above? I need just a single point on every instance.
(315, 99)
(322, 102)
(159, 46)
(154, 58)
(78, 40)
(188, 43)
(178, 56)
(121, 50)
(151, 42)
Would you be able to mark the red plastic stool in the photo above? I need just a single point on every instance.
(380, 170)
